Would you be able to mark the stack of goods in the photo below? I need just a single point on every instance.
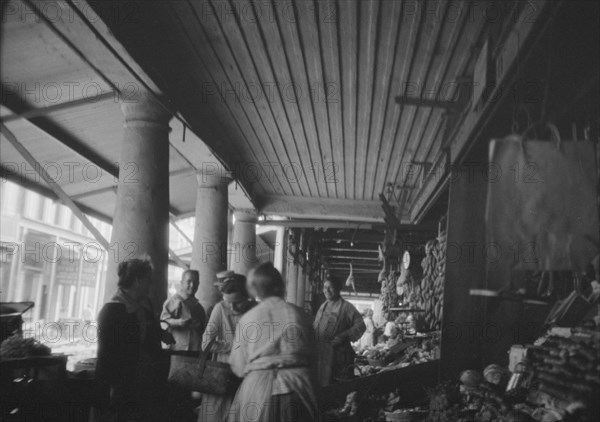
(557, 380)
(565, 376)
(18, 347)
(430, 294)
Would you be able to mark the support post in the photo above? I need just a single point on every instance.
(244, 241)
(209, 251)
(141, 219)
(301, 287)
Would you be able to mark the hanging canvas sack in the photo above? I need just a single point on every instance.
(542, 203)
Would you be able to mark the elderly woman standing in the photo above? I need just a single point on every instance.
(273, 350)
(336, 324)
(128, 370)
(221, 328)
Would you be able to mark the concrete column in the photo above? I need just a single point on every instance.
(229, 236)
(301, 290)
(280, 254)
(292, 282)
(243, 246)
(141, 218)
(209, 251)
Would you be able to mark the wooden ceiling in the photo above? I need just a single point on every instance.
(299, 97)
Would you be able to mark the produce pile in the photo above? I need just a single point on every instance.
(474, 399)
(380, 352)
(567, 375)
(381, 357)
(429, 294)
(16, 346)
(416, 354)
(559, 381)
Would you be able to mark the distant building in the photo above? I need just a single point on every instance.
(47, 256)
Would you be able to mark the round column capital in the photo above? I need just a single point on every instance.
(144, 109)
(213, 179)
(243, 215)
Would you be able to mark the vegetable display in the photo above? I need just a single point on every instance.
(16, 346)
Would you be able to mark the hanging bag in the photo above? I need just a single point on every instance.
(203, 375)
(541, 203)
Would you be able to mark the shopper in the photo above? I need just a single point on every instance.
(336, 324)
(221, 328)
(184, 314)
(273, 351)
(130, 373)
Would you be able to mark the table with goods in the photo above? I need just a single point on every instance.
(394, 374)
(412, 303)
(557, 378)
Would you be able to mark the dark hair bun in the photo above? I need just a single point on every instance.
(132, 269)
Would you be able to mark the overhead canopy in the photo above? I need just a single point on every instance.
(297, 100)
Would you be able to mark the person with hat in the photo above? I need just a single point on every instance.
(221, 329)
(222, 277)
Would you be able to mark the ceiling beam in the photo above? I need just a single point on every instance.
(354, 270)
(335, 209)
(44, 111)
(350, 237)
(111, 188)
(351, 257)
(54, 131)
(320, 223)
(56, 188)
(57, 133)
(48, 193)
(423, 102)
(352, 250)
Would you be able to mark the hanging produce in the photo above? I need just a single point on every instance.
(350, 280)
(389, 296)
(429, 294)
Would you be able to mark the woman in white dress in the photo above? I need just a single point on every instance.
(273, 350)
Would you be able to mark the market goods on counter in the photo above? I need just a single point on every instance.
(385, 357)
(557, 379)
(471, 378)
(18, 347)
(429, 293)
(496, 374)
